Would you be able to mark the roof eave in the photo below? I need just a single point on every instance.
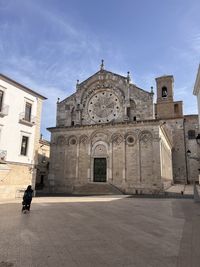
(21, 86)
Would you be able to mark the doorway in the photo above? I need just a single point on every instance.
(100, 167)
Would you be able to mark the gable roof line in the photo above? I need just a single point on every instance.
(102, 72)
(85, 81)
(132, 84)
(20, 86)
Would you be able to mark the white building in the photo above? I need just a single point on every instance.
(20, 117)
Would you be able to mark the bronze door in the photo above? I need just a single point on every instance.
(100, 169)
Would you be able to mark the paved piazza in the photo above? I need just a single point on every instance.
(100, 231)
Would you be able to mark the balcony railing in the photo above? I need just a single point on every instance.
(3, 154)
(28, 120)
(4, 110)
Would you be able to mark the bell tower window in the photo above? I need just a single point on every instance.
(164, 91)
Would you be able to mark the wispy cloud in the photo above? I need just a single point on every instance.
(49, 62)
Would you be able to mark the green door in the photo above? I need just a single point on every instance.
(100, 169)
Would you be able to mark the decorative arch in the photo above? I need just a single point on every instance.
(83, 139)
(99, 135)
(145, 137)
(117, 139)
(100, 148)
(61, 140)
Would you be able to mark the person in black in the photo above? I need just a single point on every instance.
(27, 198)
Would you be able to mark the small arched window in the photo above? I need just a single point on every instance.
(164, 91)
(191, 134)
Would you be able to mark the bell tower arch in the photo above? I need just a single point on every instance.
(166, 107)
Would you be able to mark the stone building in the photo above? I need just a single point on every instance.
(182, 130)
(107, 138)
(20, 117)
(110, 135)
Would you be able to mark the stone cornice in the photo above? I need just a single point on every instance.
(106, 125)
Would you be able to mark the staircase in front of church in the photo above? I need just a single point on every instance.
(96, 189)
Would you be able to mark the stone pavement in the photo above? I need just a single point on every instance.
(100, 231)
(178, 188)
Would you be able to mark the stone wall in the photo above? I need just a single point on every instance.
(185, 170)
(14, 179)
(132, 153)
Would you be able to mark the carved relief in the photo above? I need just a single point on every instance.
(117, 139)
(100, 150)
(145, 137)
(104, 106)
(83, 139)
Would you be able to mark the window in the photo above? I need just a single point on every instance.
(1, 100)
(191, 134)
(164, 91)
(28, 108)
(24, 145)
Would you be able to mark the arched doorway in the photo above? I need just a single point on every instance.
(99, 162)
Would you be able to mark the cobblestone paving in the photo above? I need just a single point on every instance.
(103, 231)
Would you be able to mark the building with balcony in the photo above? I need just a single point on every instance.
(20, 118)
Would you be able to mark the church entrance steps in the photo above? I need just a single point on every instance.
(96, 189)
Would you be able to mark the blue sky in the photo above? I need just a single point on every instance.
(49, 44)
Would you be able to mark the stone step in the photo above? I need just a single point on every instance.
(96, 189)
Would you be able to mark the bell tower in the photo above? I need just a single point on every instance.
(165, 86)
(165, 106)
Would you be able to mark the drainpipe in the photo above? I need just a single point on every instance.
(186, 162)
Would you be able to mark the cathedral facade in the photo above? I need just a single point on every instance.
(107, 138)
